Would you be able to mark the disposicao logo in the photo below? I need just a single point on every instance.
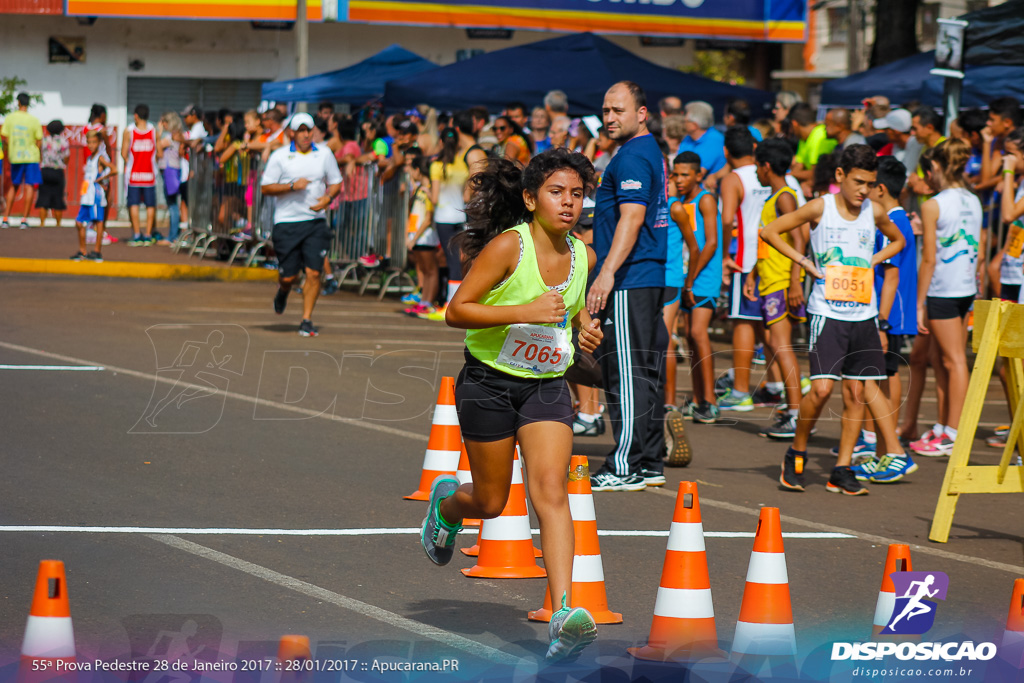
(914, 614)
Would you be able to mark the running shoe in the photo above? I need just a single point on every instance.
(419, 310)
(892, 468)
(330, 286)
(411, 298)
(936, 448)
(570, 631)
(758, 355)
(805, 385)
(996, 441)
(437, 315)
(865, 469)
(437, 536)
(5, 225)
(784, 427)
(307, 329)
(369, 260)
(705, 413)
(763, 397)
(723, 384)
(844, 481)
(78, 256)
(609, 481)
(925, 442)
(136, 241)
(1002, 430)
(730, 401)
(686, 407)
(679, 452)
(280, 301)
(792, 477)
(94, 256)
(652, 477)
(860, 449)
(584, 428)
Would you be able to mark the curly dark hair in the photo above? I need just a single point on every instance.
(497, 201)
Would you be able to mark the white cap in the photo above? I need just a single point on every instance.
(898, 119)
(301, 119)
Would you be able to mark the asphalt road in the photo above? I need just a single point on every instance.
(325, 434)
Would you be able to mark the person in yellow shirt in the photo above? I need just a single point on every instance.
(779, 280)
(22, 136)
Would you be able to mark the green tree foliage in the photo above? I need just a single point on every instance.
(9, 89)
(718, 65)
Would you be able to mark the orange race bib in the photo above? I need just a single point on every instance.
(1015, 240)
(764, 250)
(85, 188)
(848, 283)
(413, 225)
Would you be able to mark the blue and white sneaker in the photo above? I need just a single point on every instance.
(411, 299)
(570, 631)
(866, 469)
(893, 468)
(861, 449)
(759, 355)
(436, 535)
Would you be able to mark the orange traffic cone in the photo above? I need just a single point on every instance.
(442, 456)
(897, 560)
(49, 636)
(465, 476)
(293, 653)
(1012, 649)
(474, 550)
(684, 616)
(587, 569)
(506, 544)
(765, 626)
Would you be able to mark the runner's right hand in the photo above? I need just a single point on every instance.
(546, 309)
(301, 183)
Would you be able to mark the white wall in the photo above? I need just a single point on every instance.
(210, 49)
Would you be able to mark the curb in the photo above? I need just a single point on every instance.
(152, 271)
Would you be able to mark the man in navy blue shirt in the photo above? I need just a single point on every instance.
(631, 239)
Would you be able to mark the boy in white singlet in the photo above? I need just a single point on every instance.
(843, 311)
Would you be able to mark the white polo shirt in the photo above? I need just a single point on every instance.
(286, 165)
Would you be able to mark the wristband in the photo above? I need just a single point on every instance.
(1007, 171)
(291, 186)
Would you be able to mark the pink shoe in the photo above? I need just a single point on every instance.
(935, 447)
(416, 310)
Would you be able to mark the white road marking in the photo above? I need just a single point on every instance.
(440, 635)
(217, 531)
(51, 367)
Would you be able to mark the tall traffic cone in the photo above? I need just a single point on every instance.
(896, 560)
(1012, 649)
(765, 626)
(49, 636)
(465, 476)
(506, 543)
(474, 550)
(442, 456)
(587, 569)
(292, 654)
(684, 616)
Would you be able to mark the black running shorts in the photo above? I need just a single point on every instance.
(301, 244)
(493, 405)
(947, 308)
(845, 349)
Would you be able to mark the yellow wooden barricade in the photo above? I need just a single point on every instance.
(998, 330)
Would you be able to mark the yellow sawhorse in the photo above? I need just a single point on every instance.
(998, 330)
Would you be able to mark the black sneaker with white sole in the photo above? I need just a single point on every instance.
(704, 413)
(792, 477)
(307, 329)
(844, 481)
(784, 427)
(280, 301)
(652, 477)
(609, 481)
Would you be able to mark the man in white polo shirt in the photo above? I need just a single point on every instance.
(305, 179)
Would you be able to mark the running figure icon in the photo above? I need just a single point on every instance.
(195, 363)
(916, 592)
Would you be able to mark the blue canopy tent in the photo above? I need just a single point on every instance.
(582, 65)
(909, 79)
(355, 84)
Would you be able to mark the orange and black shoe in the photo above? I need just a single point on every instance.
(844, 481)
(792, 477)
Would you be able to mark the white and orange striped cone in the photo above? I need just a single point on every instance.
(49, 635)
(474, 550)
(684, 616)
(765, 626)
(588, 589)
(896, 560)
(442, 456)
(293, 653)
(506, 543)
(465, 476)
(1012, 648)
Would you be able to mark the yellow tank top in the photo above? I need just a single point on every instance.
(773, 267)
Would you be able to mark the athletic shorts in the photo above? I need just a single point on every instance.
(945, 308)
(740, 307)
(26, 174)
(141, 195)
(1009, 293)
(183, 192)
(302, 244)
(493, 405)
(701, 301)
(424, 247)
(845, 349)
(90, 214)
(52, 191)
(671, 295)
(775, 307)
(893, 359)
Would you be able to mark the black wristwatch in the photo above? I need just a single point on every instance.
(884, 325)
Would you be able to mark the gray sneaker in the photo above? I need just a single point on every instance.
(437, 537)
(570, 631)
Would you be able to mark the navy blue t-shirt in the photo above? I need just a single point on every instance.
(635, 175)
(903, 316)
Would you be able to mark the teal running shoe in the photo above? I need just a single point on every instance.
(570, 631)
(437, 536)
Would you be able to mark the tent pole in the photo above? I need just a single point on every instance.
(953, 88)
(301, 45)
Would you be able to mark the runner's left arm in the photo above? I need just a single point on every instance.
(889, 229)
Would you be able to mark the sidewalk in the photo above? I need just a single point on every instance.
(47, 250)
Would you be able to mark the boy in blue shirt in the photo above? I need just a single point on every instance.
(896, 288)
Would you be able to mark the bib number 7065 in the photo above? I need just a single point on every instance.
(536, 348)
